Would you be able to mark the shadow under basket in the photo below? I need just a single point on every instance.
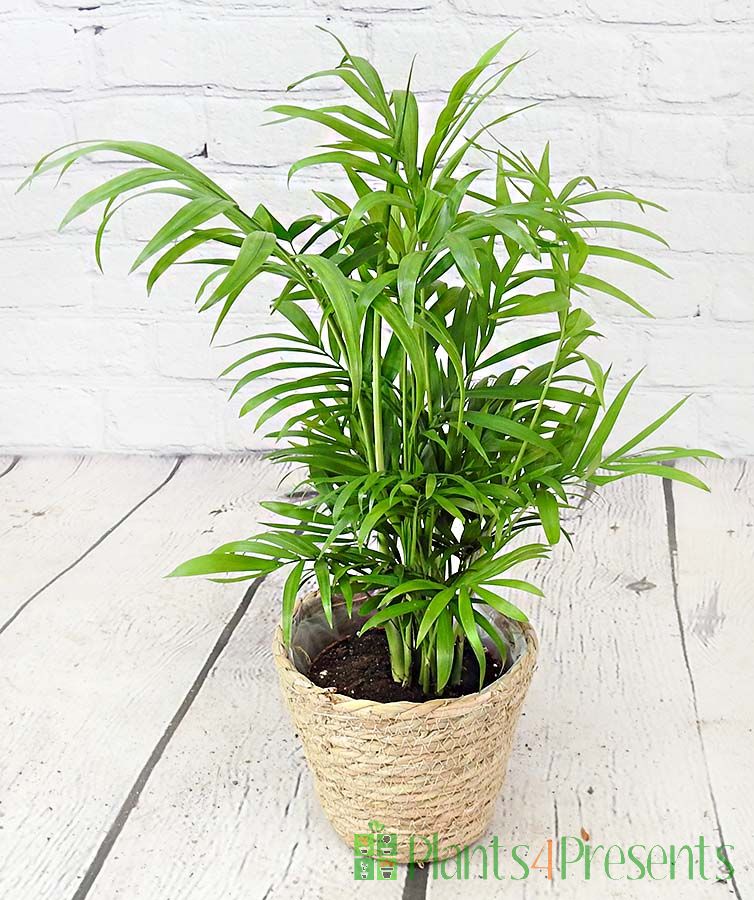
(429, 772)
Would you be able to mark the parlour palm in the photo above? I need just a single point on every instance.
(429, 434)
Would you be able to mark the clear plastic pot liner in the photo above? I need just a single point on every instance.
(311, 633)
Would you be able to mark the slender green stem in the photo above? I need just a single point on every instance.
(404, 413)
(364, 418)
(397, 654)
(379, 449)
(455, 673)
(424, 666)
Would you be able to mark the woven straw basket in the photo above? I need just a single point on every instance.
(420, 769)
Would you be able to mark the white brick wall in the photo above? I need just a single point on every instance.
(655, 96)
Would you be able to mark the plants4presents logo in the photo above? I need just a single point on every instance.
(375, 858)
(375, 854)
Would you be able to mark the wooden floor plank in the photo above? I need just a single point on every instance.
(638, 727)
(96, 667)
(715, 571)
(607, 742)
(230, 811)
(54, 508)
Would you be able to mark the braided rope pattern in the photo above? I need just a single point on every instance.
(419, 768)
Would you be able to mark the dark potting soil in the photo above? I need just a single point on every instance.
(360, 667)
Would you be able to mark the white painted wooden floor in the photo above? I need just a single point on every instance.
(145, 754)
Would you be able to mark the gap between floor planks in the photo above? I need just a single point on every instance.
(6, 467)
(670, 514)
(93, 546)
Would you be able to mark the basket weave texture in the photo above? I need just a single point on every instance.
(420, 769)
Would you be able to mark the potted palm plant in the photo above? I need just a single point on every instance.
(438, 400)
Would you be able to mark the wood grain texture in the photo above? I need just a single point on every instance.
(715, 569)
(638, 726)
(52, 509)
(229, 811)
(607, 741)
(99, 664)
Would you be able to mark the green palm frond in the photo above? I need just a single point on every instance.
(430, 435)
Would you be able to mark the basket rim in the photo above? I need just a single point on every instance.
(400, 707)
